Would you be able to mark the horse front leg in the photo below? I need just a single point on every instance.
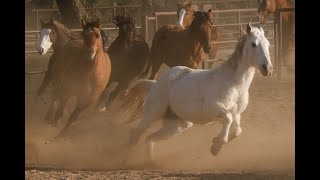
(73, 117)
(51, 113)
(222, 139)
(47, 76)
(60, 109)
(237, 129)
(104, 96)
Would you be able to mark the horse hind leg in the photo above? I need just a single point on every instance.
(60, 109)
(49, 118)
(171, 127)
(153, 110)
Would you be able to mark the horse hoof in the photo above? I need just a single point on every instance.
(102, 109)
(216, 146)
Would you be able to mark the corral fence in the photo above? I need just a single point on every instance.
(108, 13)
(278, 39)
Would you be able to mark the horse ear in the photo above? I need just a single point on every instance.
(51, 21)
(261, 29)
(249, 28)
(209, 11)
(83, 23)
(188, 5)
(97, 24)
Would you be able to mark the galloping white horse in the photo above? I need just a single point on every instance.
(183, 96)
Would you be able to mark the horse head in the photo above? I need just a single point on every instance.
(256, 50)
(201, 27)
(47, 36)
(126, 27)
(266, 7)
(92, 39)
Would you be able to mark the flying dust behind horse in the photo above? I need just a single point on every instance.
(197, 96)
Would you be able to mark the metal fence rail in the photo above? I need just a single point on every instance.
(36, 32)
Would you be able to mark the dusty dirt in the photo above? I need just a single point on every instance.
(95, 145)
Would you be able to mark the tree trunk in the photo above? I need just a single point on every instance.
(72, 12)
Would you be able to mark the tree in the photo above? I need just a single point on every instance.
(72, 12)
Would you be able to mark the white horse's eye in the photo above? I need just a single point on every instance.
(253, 45)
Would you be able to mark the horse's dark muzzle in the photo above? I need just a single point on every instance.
(207, 49)
(40, 50)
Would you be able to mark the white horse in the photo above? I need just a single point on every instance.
(183, 96)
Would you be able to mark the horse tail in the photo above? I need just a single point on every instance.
(133, 99)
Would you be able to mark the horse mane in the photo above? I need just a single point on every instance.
(236, 56)
(120, 20)
(199, 18)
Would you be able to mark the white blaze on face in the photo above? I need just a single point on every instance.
(45, 42)
(181, 16)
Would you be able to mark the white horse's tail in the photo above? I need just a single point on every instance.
(133, 99)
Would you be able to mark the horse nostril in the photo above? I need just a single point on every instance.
(90, 51)
(41, 50)
(264, 66)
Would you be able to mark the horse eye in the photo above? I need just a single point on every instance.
(254, 45)
(97, 35)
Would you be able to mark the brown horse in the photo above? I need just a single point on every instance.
(267, 7)
(187, 47)
(82, 69)
(129, 55)
(56, 35)
(215, 32)
(59, 36)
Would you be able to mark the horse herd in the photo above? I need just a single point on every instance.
(181, 97)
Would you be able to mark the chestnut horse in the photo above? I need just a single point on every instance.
(176, 46)
(186, 19)
(267, 7)
(81, 69)
(56, 35)
(129, 56)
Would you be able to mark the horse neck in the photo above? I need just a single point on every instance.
(62, 38)
(284, 4)
(241, 76)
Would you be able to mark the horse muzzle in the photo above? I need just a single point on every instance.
(207, 49)
(40, 50)
(266, 70)
(90, 53)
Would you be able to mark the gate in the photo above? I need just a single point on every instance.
(278, 39)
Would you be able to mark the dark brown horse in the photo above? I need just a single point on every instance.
(215, 32)
(56, 35)
(267, 7)
(129, 55)
(187, 47)
(82, 69)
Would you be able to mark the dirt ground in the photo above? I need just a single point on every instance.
(95, 145)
